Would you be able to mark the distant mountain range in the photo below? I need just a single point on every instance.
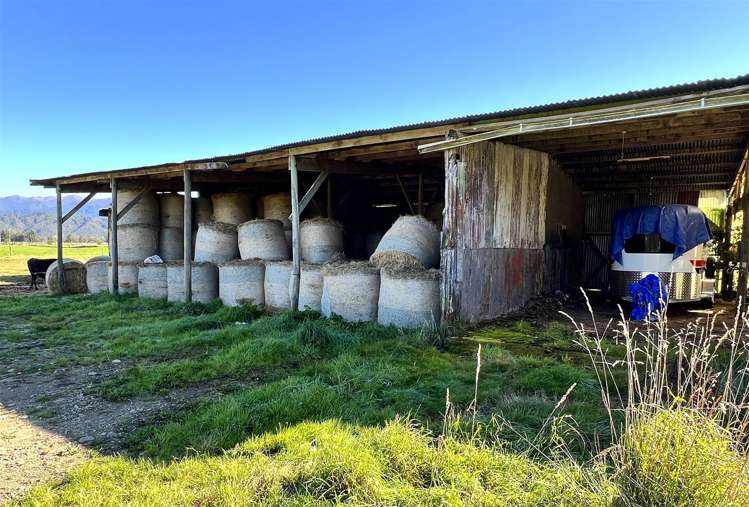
(35, 218)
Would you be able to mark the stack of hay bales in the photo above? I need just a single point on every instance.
(409, 298)
(138, 230)
(172, 232)
(75, 277)
(127, 277)
(204, 282)
(262, 239)
(351, 290)
(276, 285)
(97, 275)
(412, 241)
(216, 242)
(278, 207)
(152, 281)
(231, 208)
(241, 282)
(310, 287)
(320, 240)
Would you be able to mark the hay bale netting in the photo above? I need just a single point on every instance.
(172, 210)
(412, 241)
(320, 240)
(127, 277)
(216, 242)
(310, 287)
(146, 211)
(204, 282)
(262, 239)
(231, 208)
(242, 282)
(75, 277)
(278, 207)
(202, 211)
(351, 290)
(152, 280)
(171, 243)
(135, 242)
(276, 285)
(409, 298)
(97, 276)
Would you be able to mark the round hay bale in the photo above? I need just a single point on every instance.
(351, 290)
(262, 239)
(412, 241)
(152, 281)
(320, 240)
(127, 277)
(204, 282)
(172, 208)
(278, 207)
(409, 298)
(75, 277)
(276, 285)
(231, 208)
(242, 282)
(98, 258)
(97, 276)
(216, 242)
(202, 211)
(135, 242)
(171, 243)
(310, 287)
(146, 211)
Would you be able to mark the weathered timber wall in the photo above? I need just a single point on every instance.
(494, 229)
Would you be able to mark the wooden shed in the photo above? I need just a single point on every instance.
(524, 197)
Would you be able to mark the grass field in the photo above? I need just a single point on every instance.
(319, 411)
(13, 257)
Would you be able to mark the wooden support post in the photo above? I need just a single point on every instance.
(78, 206)
(420, 200)
(60, 266)
(187, 238)
(135, 201)
(113, 242)
(405, 194)
(296, 254)
(329, 197)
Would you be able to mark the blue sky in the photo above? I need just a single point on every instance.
(102, 84)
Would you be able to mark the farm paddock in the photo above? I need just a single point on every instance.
(523, 198)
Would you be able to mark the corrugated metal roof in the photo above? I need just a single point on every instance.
(665, 91)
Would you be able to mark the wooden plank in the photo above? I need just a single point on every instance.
(187, 235)
(405, 194)
(60, 265)
(295, 250)
(311, 192)
(78, 206)
(131, 173)
(113, 241)
(132, 203)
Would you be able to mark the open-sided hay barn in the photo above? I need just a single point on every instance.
(524, 197)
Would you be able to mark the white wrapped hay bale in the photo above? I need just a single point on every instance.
(172, 210)
(98, 258)
(127, 277)
(412, 241)
(231, 208)
(146, 211)
(202, 211)
(97, 276)
(242, 282)
(171, 243)
(320, 240)
(204, 282)
(152, 280)
(310, 287)
(135, 242)
(216, 242)
(277, 277)
(75, 277)
(351, 290)
(278, 207)
(409, 298)
(262, 239)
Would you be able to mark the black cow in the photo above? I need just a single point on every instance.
(38, 267)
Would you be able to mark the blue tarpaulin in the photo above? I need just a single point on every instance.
(649, 295)
(682, 225)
